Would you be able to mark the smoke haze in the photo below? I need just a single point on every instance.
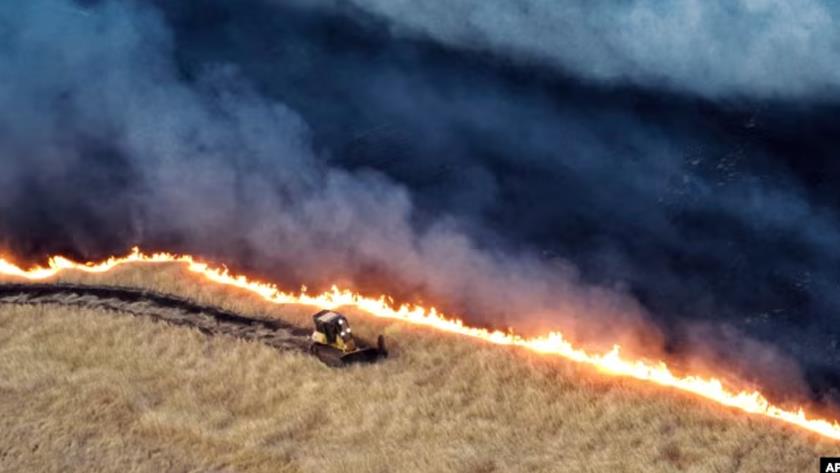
(595, 177)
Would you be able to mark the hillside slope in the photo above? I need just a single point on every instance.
(83, 389)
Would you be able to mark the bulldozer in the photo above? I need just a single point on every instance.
(335, 345)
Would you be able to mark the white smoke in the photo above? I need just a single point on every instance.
(783, 49)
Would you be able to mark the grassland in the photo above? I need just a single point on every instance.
(88, 390)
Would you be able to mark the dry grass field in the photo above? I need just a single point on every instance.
(91, 390)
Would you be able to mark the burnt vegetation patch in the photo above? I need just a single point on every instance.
(170, 309)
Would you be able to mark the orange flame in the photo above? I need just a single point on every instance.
(553, 343)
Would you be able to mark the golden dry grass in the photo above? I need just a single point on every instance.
(87, 390)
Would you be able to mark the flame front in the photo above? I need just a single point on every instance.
(553, 343)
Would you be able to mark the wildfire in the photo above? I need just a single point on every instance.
(612, 362)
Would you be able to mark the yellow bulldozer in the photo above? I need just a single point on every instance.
(334, 344)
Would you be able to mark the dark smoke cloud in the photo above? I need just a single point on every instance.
(313, 146)
(110, 143)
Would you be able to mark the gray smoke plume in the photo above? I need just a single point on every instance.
(95, 92)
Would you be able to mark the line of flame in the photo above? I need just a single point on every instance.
(553, 343)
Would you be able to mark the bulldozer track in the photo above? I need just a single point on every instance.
(160, 307)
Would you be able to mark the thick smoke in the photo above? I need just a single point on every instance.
(717, 48)
(708, 214)
(105, 135)
(312, 146)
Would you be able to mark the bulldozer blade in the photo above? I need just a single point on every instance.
(365, 355)
(335, 358)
